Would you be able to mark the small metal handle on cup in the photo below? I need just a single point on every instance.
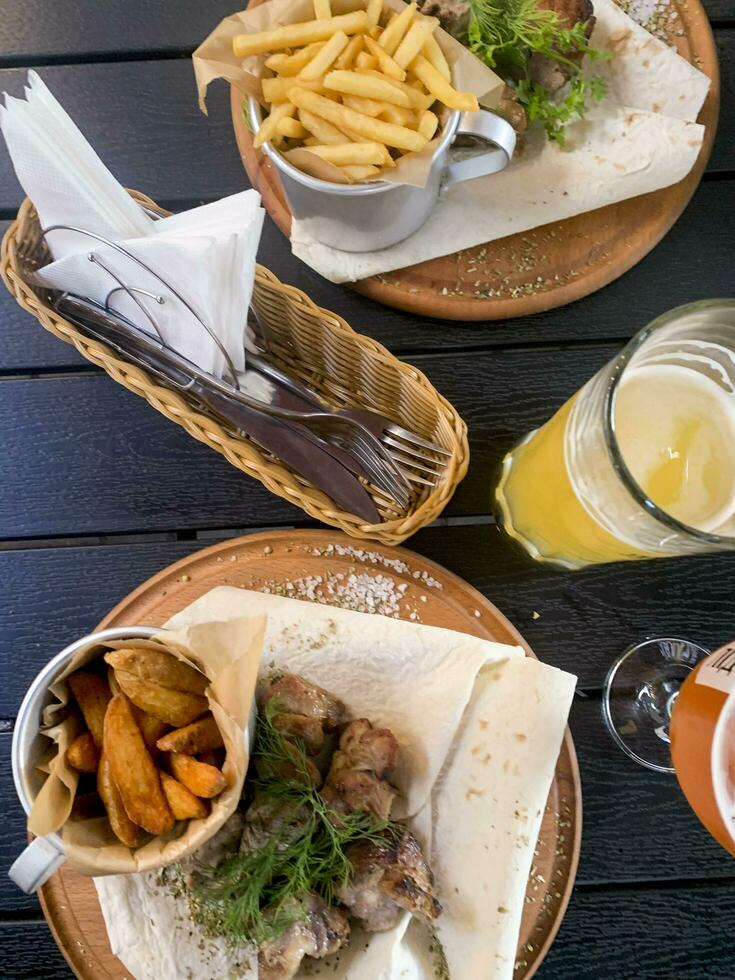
(36, 864)
(485, 127)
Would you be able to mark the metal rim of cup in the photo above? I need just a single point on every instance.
(316, 183)
(22, 739)
(611, 441)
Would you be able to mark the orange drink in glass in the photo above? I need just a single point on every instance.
(640, 463)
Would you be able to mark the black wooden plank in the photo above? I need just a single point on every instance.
(91, 440)
(143, 119)
(689, 264)
(723, 153)
(59, 594)
(30, 952)
(66, 441)
(586, 618)
(41, 30)
(13, 839)
(637, 825)
(720, 11)
(34, 31)
(650, 934)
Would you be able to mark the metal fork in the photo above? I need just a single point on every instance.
(420, 460)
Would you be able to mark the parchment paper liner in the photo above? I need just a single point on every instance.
(229, 654)
(214, 58)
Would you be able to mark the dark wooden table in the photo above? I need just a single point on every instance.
(98, 491)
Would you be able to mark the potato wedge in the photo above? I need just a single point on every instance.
(133, 769)
(92, 694)
(201, 736)
(82, 754)
(160, 668)
(122, 826)
(184, 805)
(151, 728)
(201, 779)
(213, 757)
(176, 708)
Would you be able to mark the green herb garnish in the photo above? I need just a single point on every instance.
(506, 33)
(253, 896)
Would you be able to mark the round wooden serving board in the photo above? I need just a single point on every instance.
(262, 560)
(546, 267)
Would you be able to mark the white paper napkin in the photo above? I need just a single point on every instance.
(197, 266)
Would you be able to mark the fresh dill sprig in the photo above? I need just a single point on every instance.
(505, 34)
(254, 896)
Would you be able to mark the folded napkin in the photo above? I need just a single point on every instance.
(641, 138)
(191, 274)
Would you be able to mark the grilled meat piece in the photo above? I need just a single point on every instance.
(298, 697)
(266, 818)
(363, 747)
(388, 879)
(358, 778)
(546, 71)
(510, 109)
(454, 15)
(319, 930)
(287, 771)
(309, 730)
(357, 791)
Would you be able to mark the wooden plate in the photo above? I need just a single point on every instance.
(543, 268)
(69, 901)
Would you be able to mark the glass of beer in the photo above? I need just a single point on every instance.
(640, 463)
(670, 705)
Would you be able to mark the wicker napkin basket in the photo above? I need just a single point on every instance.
(315, 345)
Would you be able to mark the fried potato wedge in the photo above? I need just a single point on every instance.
(151, 728)
(92, 694)
(176, 708)
(122, 826)
(184, 805)
(201, 736)
(159, 667)
(133, 769)
(82, 754)
(201, 779)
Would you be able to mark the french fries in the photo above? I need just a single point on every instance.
(184, 805)
(393, 34)
(133, 770)
(198, 777)
(428, 124)
(417, 35)
(176, 708)
(158, 667)
(200, 736)
(82, 754)
(92, 694)
(122, 826)
(382, 132)
(324, 58)
(292, 128)
(386, 64)
(441, 89)
(297, 35)
(369, 77)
